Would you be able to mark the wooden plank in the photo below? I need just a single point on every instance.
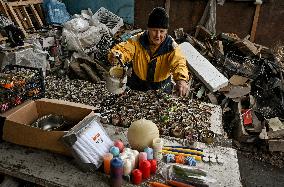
(39, 10)
(15, 17)
(4, 9)
(24, 3)
(37, 17)
(203, 18)
(21, 18)
(167, 6)
(255, 23)
(247, 47)
(29, 21)
(275, 134)
(276, 145)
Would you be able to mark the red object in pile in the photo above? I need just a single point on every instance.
(136, 176)
(145, 167)
(119, 144)
(247, 116)
(153, 166)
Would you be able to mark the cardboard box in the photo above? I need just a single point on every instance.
(17, 123)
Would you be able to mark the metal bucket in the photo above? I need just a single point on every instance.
(116, 81)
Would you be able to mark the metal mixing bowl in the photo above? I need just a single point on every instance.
(49, 122)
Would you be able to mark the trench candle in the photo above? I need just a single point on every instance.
(136, 176)
(142, 157)
(153, 166)
(114, 151)
(145, 167)
(132, 160)
(127, 167)
(130, 157)
(116, 172)
(136, 156)
(119, 144)
(158, 146)
(107, 158)
(149, 152)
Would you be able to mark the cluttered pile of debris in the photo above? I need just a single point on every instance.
(252, 102)
(252, 99)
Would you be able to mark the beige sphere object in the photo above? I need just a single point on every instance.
(141, 134)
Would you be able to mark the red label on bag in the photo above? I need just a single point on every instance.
(97, 138)
(247, 116)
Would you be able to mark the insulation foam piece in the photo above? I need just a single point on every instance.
(203, 69)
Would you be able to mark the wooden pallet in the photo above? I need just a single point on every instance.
(25, 13)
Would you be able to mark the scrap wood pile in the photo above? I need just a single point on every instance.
(253, 102)
(27, 15)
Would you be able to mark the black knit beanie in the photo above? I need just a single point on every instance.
(158, 18)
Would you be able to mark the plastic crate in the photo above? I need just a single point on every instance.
(112, 21)
(18, 84)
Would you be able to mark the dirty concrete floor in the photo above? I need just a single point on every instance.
(255, 173)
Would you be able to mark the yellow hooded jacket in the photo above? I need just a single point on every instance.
(152, 71)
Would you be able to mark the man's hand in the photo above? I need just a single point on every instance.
(112, 57)
(181, 87)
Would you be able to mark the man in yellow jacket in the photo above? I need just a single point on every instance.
(155, 56)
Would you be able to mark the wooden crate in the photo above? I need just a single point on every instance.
(27, 14)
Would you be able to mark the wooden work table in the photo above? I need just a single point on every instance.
(49, 169)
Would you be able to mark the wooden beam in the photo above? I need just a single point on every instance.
(167, 6)
(37, 17)
(24, 3)
(16, 19)
(255, 22)
(276, 145)
(4, 9)
(27, 16)
(39, 10)
(22, 18)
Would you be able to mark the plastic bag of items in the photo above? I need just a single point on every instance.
(55, 11)
(88, 142)
(190, 175)
(4, 21)
(81, 41)
(26, 57)
(77, 25)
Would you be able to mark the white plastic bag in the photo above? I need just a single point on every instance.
(77, 25)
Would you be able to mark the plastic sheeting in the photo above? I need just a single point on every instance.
(29, 57)
(84, 40)
(85, 33)
(56, 12)
(4, 21)
(77, 25)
